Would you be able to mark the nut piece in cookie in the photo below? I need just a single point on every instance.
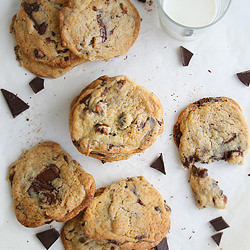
(212, 129)
(114, 118)
(47, 185)
(206, 190)
(130, 214)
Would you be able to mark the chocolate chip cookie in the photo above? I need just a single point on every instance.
(114, 118)
(130, 214)
(47, 185)
(206, 191)
(99, 29)
(212, 129)
(37, 33)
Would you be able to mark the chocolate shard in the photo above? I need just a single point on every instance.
(16, 105)
(219, 223)
(158, 164)
(48, 237)
(163, 245)
(217, 238)
(244, 77)
(186, 56)
(143, 1)
(37, 84)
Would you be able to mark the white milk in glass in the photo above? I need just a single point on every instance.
(191, 13)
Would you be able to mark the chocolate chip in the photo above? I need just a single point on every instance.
(143, 1)
(76, 143)
(53, 33)
(158, 164)
(203, 101)
(37, 84)
(29, 8)
(139, 237)
(158, 209)
(163, 245)
(244, 77)
(190, 160)
(103, 128)
(186, 56)
(39, 54)
(228, 154)
(66, 58)
(140, 202)
(65, 158)
(85, 99)
(103, 30)
(82, 240)
(177, 134)
(16, 105)
(96, 153)
(41, 28)
(94, 8)
(217, 238)
(112, 241)
(199, 172)
(219, 223)
(48, 237)
(49, 40)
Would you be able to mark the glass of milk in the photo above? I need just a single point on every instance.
(188, 19)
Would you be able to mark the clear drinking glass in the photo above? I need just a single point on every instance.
(188, 32)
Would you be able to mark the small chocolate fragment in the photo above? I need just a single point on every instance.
(199, 172)
(37, 84)
(186, 56)
(217, 238)
(244, 77)
(16, 105)
(48, 237)
(143, 1)
(219, 223)
(163, 245)
(103, 30)
(158, 164)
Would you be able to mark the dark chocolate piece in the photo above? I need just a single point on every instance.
(186, 56)
(199, 172)
(103, 30)
(37, 84)
(177, 134)
(143, 1)
(16, 105)
(163, 245)
(205, 100)
(219, 223)
(217, 238)
(158, 164)
(244, 77)
(48, 237)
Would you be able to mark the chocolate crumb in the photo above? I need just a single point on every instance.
(163, 245)
(48, 237)
(186, 56)
(244, 77)
(219, 223)
(37, 84)
(158, 164)
(217, 238)
(16, 105)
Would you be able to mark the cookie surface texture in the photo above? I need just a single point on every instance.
(38, 35)
(212, 129)
(113, 118)
(99, 29)
(48, 185)
(205, 190)
(130, 214)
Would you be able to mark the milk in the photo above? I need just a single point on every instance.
(192, 13)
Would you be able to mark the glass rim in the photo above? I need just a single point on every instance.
(190, 27)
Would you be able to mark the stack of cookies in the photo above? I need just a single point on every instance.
(129, 214)
(54, 36)
(114, 118)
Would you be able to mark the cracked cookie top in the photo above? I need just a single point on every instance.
(130, 214)
(212, 129)
(47, 185)
(113, 118)
(99, 29)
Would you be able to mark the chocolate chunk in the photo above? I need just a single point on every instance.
(140, 202)
(112, 242)
(203, 101)
(76, 143)
(158, 209)
(66, 58)
(227, 155)
(85, 99)
(190, 160)
(37, 84)
(143, 1)
(103, 128)
(103, 30)
(158, 164)
(48, 237)
(177, 134)
(121, 83)
(41, 28)
(139, 237)
(96, 153)
(217, 238)
(200, 172)
(53, 33)
(94, 8)
(244, 77)
(65, 158)
(219, 223)
(39, 53)
(29, 8)
(16, 105)
(163, 245)
(186, 56)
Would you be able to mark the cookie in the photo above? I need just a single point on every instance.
(99, 29)
(130, 214)
(212, 129)
(114, 118)
(37, 33)
(205, 190)
(47, 185)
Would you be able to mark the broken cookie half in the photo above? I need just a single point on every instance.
(206, 190)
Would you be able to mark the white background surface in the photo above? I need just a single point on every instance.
(153, 62)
